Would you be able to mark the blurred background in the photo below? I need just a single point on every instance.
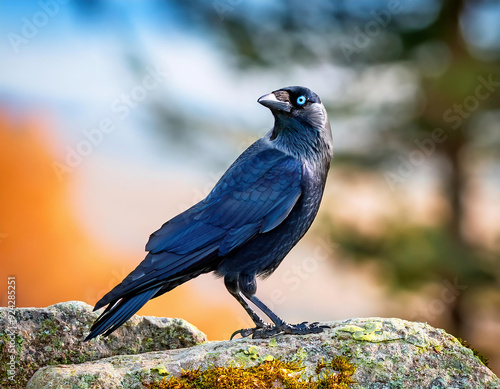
(116, 116)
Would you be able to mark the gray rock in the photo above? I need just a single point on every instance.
(387, 353)
(34, 337)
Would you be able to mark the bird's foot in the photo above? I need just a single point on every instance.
(302, 328)
(271, 330)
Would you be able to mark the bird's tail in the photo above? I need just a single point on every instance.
(119, 312)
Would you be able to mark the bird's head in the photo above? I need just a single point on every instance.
(300, 117)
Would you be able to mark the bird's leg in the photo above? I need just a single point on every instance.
(281, 325)
(248, 286)
(233, 288)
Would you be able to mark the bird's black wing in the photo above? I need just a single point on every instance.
(254, 196)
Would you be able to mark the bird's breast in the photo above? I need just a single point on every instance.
(263, 254)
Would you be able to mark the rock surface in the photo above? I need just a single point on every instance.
(36, 337)
(387, 353)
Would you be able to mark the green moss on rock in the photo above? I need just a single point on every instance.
(37, 337)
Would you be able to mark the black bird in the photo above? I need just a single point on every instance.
(255, 214)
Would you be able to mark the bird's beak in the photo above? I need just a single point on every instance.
(270, 101)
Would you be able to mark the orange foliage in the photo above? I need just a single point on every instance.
(42, 245)
(50, 254)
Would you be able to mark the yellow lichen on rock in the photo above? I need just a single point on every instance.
(335, 374)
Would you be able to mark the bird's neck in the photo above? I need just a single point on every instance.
(302, 142)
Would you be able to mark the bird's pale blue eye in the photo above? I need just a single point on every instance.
(301, 100)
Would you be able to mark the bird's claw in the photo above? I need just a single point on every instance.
(244, 332)
(257, 332)
(285, 328)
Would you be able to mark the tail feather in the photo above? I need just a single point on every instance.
(118, 313)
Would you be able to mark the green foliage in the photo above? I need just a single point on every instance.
(411, 256)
